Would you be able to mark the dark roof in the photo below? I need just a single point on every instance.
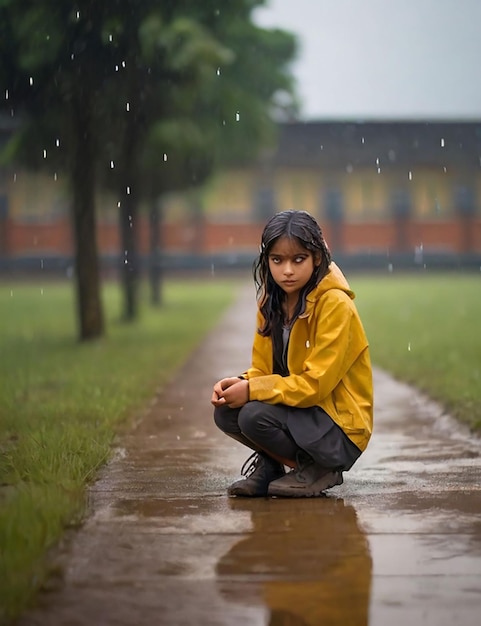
(350, 144)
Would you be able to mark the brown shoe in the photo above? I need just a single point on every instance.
(308, 480)
(258, 471)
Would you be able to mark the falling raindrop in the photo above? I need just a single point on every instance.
(15, 177)
(55, 176)
(57, 143)
(445, 169)
(110, 38)
(116, 68)
(410, 175)
(123, 63)
(362, 139)
(237, 116)
(442, 142)
(41, 291)
(127, 106)
(128, 191)
(418, 253)
(78, 15)
(6, 94)
(44, 154)
(165, 157)
(409, 347)
(11, 290)
(218, 71)
(112, 165)
(378, 170)
(31, 81)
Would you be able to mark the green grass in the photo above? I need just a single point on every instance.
(425, 329)
(62, 402)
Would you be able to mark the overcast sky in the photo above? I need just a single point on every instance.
(384, 59)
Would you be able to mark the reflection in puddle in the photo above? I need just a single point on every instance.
(306, 561)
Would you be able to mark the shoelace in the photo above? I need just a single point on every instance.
(250, 465)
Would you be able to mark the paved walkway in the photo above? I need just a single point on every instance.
(399, 543)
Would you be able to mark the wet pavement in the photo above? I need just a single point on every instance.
(398, 543)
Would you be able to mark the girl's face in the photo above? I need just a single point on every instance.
(291, 265)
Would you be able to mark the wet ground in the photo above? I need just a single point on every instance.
(399, 543)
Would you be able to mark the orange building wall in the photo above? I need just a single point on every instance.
(229, 222)
(366, 237)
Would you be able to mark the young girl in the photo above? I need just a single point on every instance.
(306, 401)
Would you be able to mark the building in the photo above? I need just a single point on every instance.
(384, 192)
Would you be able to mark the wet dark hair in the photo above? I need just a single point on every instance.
(302, 227)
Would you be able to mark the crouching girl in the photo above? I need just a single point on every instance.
(306, 402)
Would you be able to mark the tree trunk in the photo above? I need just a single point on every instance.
(87, 275)
(155, 252)
(129, 258)
(130, 269)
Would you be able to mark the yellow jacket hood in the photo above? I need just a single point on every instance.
(334, 279)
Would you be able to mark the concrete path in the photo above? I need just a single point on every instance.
(399, 543)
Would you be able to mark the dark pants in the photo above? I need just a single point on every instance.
(284, 431)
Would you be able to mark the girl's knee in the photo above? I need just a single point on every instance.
(226, 419)
(249, 416)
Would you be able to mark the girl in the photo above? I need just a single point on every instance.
(306, 401)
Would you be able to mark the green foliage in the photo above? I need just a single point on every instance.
(170, 61)
(40, 37)
(62, 403)
(424, 329)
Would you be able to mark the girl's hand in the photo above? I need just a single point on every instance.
(219, 388)
(231, 391)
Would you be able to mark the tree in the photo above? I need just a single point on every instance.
(206, 86)
(54, 62)
(162, 55)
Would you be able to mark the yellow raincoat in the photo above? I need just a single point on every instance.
(328, 360)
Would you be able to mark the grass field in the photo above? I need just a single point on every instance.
(425, 329)
(62, 402)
